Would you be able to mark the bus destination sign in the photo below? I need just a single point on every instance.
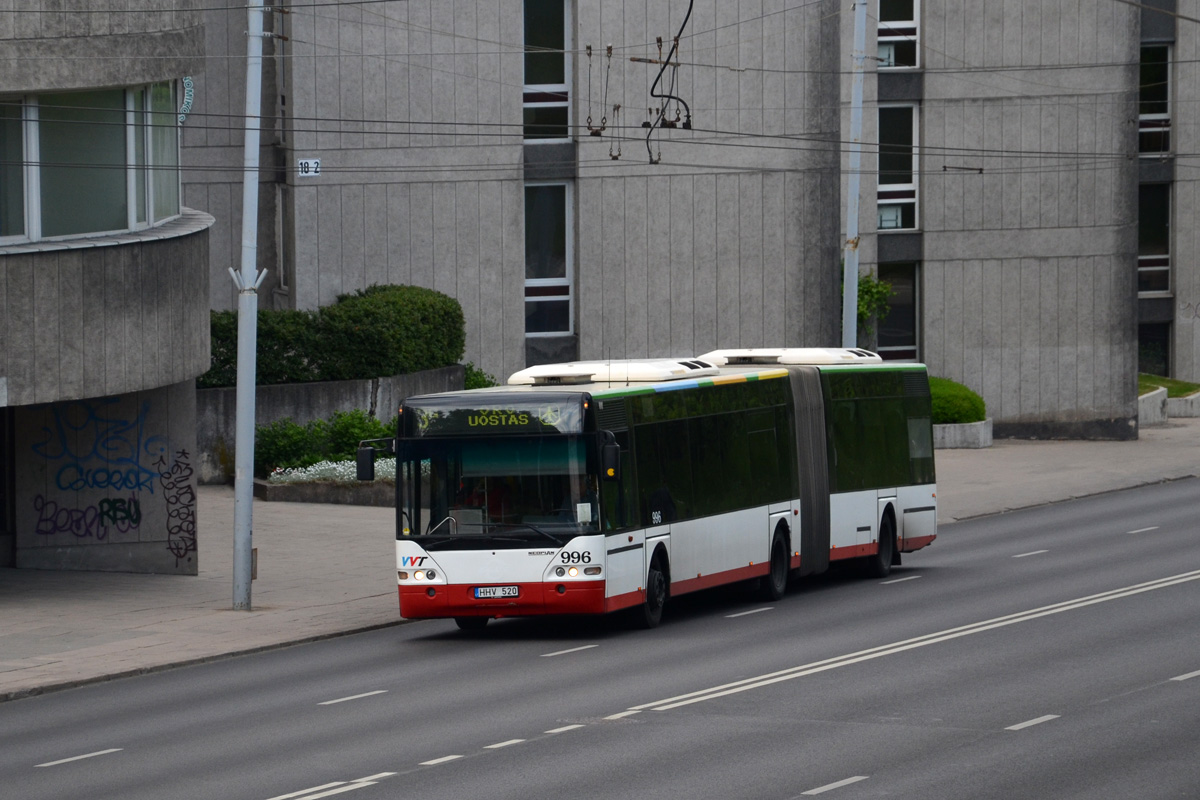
(501, 418)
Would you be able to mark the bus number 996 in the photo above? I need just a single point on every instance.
(576, 558)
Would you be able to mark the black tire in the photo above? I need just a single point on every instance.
(651, 611)
(880, 564)
(471, 623)
(773, 586)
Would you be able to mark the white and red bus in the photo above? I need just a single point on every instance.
(588, 488)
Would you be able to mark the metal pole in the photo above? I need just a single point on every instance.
(247, 283)
(850, 254)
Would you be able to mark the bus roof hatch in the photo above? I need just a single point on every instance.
(644, 370)
(816, 356)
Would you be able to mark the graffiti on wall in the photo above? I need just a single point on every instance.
(93, 445)
(109, 448)
(176, 481)
(92, 522)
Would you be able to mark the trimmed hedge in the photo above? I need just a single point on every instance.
(954, 403)
(376, 332)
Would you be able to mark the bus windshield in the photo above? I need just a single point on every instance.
(521, 489)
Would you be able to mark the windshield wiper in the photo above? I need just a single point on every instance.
(533, 528)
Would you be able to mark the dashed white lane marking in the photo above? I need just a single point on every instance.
(353, 697)
(442, 760)
(622, 714)
(1188, 676)
(901, 580)
(564, 729)
(792, 673)
(1029, 723)
(831, 786)
(1145, 530)
(337, 787)
(80, 758)
(1034, 553)
(572, 650)
(748, 613)
(498, 745)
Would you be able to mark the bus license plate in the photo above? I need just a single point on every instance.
(485, 592)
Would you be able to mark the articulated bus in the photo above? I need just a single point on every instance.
(588, 488)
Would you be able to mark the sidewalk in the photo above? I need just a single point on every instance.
(325, 569)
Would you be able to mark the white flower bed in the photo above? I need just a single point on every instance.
(333, 472)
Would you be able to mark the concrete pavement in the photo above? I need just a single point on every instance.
(325, 570)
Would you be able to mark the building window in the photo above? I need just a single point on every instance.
(547, 70)
(1154, 93)
(1154, 237)
(898, 331)
(83, 163)
(549, 301)
(1154, 348)
(897, 199)
(897, 34)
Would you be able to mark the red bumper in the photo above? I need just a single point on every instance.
(533, 599)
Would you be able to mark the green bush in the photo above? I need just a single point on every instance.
(377, 332)
(288, 444)
(284, 443)
(954, 403)
(476, 378)
(389, 330)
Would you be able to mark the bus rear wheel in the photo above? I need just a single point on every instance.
(471, 623)
(773, 586)
(656, 596)
(880, 564)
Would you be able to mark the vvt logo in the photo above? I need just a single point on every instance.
(412, 561)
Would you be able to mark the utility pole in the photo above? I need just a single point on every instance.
(247, 282)
(850, 254)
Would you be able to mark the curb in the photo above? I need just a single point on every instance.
(35, 691)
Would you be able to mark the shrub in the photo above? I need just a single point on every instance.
(377, 332)
(476, 378)
(347, 428)
(954, 403)
(388, 330)
(284, 443)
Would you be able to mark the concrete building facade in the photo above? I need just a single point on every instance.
(1001, 199)
(452, 158)
(103, 288)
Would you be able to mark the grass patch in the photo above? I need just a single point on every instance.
(1148, 383)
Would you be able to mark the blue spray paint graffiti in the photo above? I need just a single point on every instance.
(97, 447)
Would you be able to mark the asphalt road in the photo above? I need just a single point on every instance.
(1046, 653)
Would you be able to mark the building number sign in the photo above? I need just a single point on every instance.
(308, 167)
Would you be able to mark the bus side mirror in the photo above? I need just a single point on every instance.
(610, 458)
(366, 463)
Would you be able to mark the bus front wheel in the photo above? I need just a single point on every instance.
(471, 623)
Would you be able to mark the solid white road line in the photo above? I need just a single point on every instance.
(80, 758)
(353, 697)
(330, 789)
(572, 650)
(901, 580)
(831, 786)
(792, 673)
(1034, 553)
(564, 729)
(623, 714)
(1029, 723)
(306, 792)
(1189, 676)
(498, 745)
(441, 760)
(748, 613)
(1145, 530)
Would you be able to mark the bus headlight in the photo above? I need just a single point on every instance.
(591, 570)
(573, 571)
(419, 575)
(431, 574)
(560, 572)
(402, 575)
